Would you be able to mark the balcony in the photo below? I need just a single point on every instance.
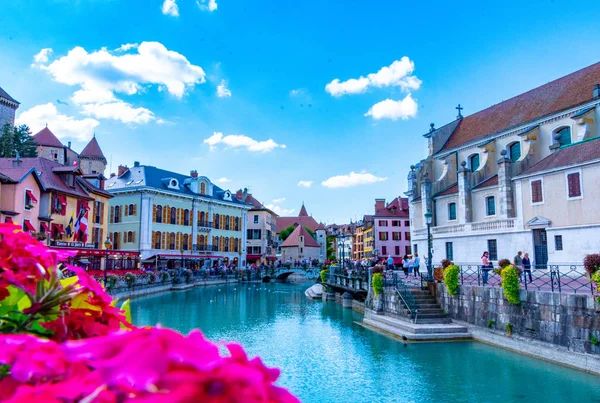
(482, 226)
(207, 248)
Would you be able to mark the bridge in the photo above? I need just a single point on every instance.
(357, 285)
(282, 273)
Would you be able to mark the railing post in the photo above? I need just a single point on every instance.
(479, 276)
(552, 279)
(558, 275)
(462, 281)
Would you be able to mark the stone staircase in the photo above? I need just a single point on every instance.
(429, 311)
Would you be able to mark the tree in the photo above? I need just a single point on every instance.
(287, 232)
(330, 249)
(17, 139)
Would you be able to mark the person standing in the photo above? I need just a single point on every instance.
(518, 261)
(416, 264)
(526, 268)
(405, 265)
(390, 263)
(486, 266)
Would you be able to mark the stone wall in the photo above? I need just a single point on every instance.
(565, 320)
(7, 115)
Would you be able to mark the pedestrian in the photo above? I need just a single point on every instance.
(405, 265)
(486, 266)
(416, 264)
(526, 268)
(390, 263)
(518, 261)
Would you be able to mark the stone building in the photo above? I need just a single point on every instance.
(521, 175)
(8, 108)
(305, 220)
(300, 245)
(391, 229)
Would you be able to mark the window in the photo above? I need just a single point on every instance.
(117, 217)
(157, 240)
(514, 151)
(173, 215)
(416, 248)
(397, 236)
(227, 222)
(449, 251)
(383, 223)
(29, 199)
(407, 236)
(492, 249)
(172, 241)
(474, 162)
(130, 236)
(237, 223)
(202, 188)
(407, 223)
(537, 194)
(255, 218)
(397, 250)
(383, 236)
(131, 209)
(384, 250)
(490, 205)
(98, 212)
(558, 242)
(451, 211)
(216, 221)
(186, 217)
(159, 214)
(563, 136)
(395, 223)
(407, 249)
(574, 185)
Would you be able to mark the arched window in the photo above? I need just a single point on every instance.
(185, 242)
(474, 162)
(202, 220)
(117, 213)
(236, 245)
(130, 236)
(157, 240)
(159, 214)
(563, 136)
(490, 205)
(202, 188)
(131, 210)
(186, 217)
(216, 242)
(237, 223)
(514, 151)
(216, 222)
(227, 222)
(116, 239)
(173, 215)
(172, 241)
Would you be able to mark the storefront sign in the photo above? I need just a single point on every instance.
(62, 244)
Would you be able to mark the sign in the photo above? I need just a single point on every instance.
(63, 244)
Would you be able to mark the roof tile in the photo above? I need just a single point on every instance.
(45, 137)
(294, 238)
(576, 153)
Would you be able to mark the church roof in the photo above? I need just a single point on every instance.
(558, 95)
(303, 218)
(491, 181)
(294, 238)
(45, 137)
(4, 94)
(321, 227)
(303, 212)
(92, 150)
(573, 154)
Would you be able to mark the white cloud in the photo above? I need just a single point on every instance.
(390, 109)
(118, 110)
(282, 199)
(211, 6)
(279, 210)
(296, 92)
(62, 126)
(127, 46)
(241, 141)
(222, 91)
(223, 180)
(164, 122)
(41, 57)
(352, 179)
(305, 184)
(170, 7)
(397, 74)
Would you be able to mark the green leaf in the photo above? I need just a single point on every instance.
(16, 301)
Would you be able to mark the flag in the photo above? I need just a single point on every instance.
(81, 223)
(74, 163)
(69, 228)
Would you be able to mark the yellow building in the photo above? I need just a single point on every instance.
(368, 230)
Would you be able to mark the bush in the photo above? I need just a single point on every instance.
(446, 263)
(130, 279)
(504, 263)
(377, 282)
(491, 323)
(510, 284)
(324, 275)
(509, 329)
(591, 263)
(111, 281)
(164, 276)
(187, 274)
(152, 277)
(451, 279)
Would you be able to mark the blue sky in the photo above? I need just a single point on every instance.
(158, 102)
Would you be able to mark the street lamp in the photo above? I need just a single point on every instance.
(428, 217)
(107, 246)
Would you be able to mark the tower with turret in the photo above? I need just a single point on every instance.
(8, 109)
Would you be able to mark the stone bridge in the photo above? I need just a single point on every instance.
(282, 273)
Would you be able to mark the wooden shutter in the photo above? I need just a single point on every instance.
(135, 209)
(574, 184)
(190, 242)
(191, 218)
(154, 213)
(536, 191)
(112, 214)
(126, 209)
(163, 240)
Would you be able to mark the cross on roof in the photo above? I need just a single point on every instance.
(459, 109)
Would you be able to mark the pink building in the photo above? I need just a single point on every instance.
(392, 229)
(20, 195)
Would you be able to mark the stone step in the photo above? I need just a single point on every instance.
(436, 311)
(428, 306)
(425, 321)
(407, 327)
(433, 315)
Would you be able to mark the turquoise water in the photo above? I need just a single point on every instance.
(326, 357)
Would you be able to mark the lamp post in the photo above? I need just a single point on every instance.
(107, 246)
(428, 217)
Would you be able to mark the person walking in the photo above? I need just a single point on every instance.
(416, 264)
(526, 268)
(405, 265)
(486, 266)
(518, 260)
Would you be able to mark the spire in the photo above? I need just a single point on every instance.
(303, 212)
(92, 150)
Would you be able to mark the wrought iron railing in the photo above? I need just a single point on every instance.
(392, 280)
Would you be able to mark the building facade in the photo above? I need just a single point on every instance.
(368, 237)
(392, 229)
(8, 109)
(514, 177)
(261, 224)
(300, 245)
(170, 217)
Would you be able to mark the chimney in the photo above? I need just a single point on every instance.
(238, 195)
(379, 204)
(194, 173)
(596, 91)
(245, 193)
(122, 169)
(69, 145)
(112, 175)
(136, 164)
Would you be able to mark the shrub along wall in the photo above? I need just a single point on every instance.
(567, 320)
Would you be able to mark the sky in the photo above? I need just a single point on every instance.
(313, 101)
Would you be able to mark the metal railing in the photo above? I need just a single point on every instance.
(403, 292)
(568, 279)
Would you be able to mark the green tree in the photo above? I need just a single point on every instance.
(285, 233)
(330, 249)
(17, 139)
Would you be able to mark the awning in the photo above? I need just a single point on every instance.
(31, 196)
(45, 227)
(28, 225)
(98, 252)
(271, 258)
(8, 220)
(397, 260)
(178, 256)
(253, 257)
(59, 228)
(62, 200)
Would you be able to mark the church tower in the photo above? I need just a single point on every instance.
(8, 108)
(91, 159)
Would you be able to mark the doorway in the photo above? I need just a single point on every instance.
(540, 246)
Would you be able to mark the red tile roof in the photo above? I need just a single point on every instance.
(393, 209)
(46, 138)
(492, 181)
(284, 222)
(448, 191)
(251, 200)
(92, 150)
(294, 238)
(321, 227)
(558, 95)
(572, 154)
(303, 212)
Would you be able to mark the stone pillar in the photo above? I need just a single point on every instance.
(505, 187)
(426, 198)
(464, 195)
(210, 220)
(145, 236)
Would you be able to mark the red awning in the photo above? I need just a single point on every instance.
(62, 200)
(31, 196)
(8, 220)
(397, 260)
(253, 257)
(59, 228)
(28, 225)
(45, 227)
(178, 256)
(98, 252)
(271, 258)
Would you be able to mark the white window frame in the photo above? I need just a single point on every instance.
(469, 162)
(509, 154)
(255, 218)
(573, 171)
(485, 197)
(531, 192)
(25, 199)
(556, 129)
(455, 211)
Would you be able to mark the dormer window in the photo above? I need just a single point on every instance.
(129, 183)
(562, 136)
(474, 162)
(172, 183)
(514, 151)
(227, 195)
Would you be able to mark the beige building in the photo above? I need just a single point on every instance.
(515, 176)
(260, 233)
(300, 245)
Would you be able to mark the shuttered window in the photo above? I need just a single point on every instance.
(515, 151)
(536, 191)
(574, 184)
(451, 211)
(490, 205)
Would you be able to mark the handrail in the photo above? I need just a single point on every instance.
(406, 297)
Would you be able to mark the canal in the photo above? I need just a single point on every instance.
(326, 357)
